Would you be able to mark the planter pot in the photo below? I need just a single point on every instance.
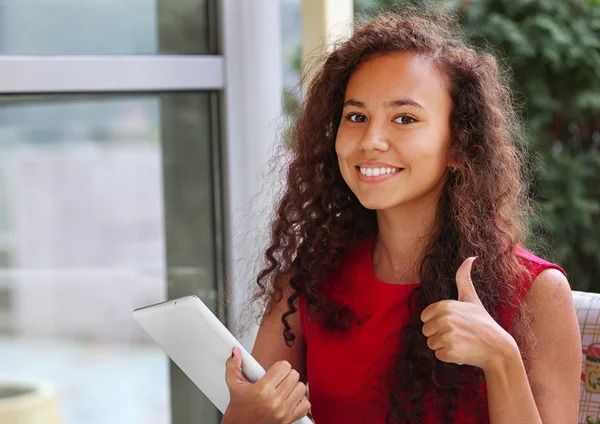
(24, 402)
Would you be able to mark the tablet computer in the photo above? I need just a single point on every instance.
(194, 338)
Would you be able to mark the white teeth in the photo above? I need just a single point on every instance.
(375, 172)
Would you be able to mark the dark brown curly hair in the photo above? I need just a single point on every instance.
(483, 207)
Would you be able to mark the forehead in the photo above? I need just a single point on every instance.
(397, 75)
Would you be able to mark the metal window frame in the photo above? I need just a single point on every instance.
(113, 75)
(93, 74)
(56, 75)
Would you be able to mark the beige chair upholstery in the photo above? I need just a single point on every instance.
(588, 314)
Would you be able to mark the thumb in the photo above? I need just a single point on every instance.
(233, 368)
(464, 283)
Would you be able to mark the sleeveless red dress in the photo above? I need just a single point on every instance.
(343, 385)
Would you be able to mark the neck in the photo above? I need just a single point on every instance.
(403, 234)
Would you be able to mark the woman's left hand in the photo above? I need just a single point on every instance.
(462, 331)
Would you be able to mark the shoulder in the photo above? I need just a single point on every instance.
(548, 294)
(555, 366)
(534, 264)
(535, 269)
(550, 286)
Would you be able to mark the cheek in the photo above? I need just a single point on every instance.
(344, 150)
(430, 154)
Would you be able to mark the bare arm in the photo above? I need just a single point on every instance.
(280, 396)
(270, 346)
(550, 393)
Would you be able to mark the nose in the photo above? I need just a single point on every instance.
(374, 138)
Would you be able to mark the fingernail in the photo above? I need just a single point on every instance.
(475, 259)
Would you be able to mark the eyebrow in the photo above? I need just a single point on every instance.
(393, 103)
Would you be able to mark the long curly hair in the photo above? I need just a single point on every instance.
(483, 208)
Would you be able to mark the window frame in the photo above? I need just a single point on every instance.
(147, 74)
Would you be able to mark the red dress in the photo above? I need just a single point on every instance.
(342, 383)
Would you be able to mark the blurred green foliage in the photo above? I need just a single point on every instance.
(553, 50)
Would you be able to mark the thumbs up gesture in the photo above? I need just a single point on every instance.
(462, 331)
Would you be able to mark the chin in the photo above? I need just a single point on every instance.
(377, 204)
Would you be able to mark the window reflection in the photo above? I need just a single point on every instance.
(91, 226)
(105, 27)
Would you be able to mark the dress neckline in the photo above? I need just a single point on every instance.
(369, 245)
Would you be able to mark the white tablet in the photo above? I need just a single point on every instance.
(194, 338)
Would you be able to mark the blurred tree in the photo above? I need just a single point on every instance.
(553, 50)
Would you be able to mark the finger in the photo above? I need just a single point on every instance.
(435, 342)
(289, 383)
(275, 375)
(436, 309)
(233, 369)
(295, 396)
(301, 410)
(442, 355)
(430, 328)
(464, 282)
(446, 355)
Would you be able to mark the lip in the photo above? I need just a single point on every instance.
(379, 178)
(377, 165)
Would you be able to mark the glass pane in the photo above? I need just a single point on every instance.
(33, 27)
(95, 193)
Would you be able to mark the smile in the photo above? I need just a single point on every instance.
(374, 175)
(375, 172)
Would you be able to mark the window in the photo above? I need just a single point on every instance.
(111, 27)
(110, 198)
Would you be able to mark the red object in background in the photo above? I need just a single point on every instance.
(592, 352)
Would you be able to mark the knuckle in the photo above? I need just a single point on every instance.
(284, 365)
(278, 416)
(448, 340)
(294, 375)
(273, 405)
(304, 406)
(430, 343)
(446, 321)
(439, 355)
(262, 394)
(442, 306)
(427, 330)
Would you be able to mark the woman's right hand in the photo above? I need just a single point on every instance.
(279, 397)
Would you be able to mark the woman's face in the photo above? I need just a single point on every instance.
(394, 137)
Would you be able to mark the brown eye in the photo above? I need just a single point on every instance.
(355, 117)
(405, 119)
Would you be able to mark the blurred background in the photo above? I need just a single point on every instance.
(133, 141)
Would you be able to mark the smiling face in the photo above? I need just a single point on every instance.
(394, 136)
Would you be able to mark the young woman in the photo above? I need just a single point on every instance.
(397, 286)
